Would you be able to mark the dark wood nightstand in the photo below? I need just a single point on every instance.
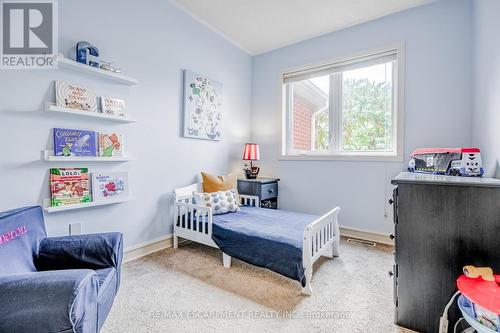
(264, 188)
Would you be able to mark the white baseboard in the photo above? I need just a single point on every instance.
(366, 235)
(146, 248)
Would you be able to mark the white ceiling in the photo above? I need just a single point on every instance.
(258, 26)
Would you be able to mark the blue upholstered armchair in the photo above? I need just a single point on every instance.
(55, 284)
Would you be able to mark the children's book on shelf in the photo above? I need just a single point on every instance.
(69, 186)
(113, 106)
(75, 97)
(110, 145)
(109, 185)
(73, 142)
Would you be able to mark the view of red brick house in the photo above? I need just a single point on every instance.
(307, 99)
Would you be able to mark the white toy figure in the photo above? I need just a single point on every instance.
(472, 165)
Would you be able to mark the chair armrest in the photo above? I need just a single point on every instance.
(53, 301)
(92, 251)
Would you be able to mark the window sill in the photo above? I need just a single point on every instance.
(343, 157)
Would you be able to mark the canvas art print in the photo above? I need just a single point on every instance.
(113, 106)
(75, 97)
(202, 107)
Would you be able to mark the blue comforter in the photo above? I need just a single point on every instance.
(264, 237)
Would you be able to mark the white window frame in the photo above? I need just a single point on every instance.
(336, 122)
(313, 126)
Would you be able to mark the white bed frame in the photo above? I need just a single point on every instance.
(321, 237)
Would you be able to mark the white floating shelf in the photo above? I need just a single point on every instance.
(50, 209)
(52, 107)
(48, 156)
(76, 66)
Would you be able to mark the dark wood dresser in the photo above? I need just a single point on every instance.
(441, 224)
(264, 188)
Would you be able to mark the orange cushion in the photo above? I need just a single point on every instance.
(213, 183)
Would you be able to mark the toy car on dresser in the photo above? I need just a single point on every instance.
(464, 162)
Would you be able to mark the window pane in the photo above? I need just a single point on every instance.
(310, 125)
(367, 109)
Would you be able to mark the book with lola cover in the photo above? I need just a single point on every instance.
(69, 186)
(73, 142)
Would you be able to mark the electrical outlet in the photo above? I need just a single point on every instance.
(75, 228)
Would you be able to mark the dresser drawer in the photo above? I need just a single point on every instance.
(268, 191)
(248, 188)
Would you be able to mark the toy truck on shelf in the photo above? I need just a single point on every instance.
(464, 162)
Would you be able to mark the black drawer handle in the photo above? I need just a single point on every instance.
(270, 190)
(391, 236)
(391, 273)
(391, 201)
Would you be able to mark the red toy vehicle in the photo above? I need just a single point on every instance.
(447, 161)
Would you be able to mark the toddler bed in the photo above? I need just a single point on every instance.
(285, 242)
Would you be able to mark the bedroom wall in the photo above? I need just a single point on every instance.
(152, 41)
(438, 103)
(486, 115)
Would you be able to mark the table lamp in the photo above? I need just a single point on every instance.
(251, 153)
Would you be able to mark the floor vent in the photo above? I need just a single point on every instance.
(361, 241)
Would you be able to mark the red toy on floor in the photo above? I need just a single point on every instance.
(481, 288)
(479, 301)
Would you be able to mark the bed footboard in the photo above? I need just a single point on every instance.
(321, 238)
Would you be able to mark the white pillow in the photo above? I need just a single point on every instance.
(221, 202)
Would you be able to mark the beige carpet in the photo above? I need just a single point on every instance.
(188, 290)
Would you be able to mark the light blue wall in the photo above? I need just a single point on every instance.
(438, 103)
(486, 117)
(152, 41)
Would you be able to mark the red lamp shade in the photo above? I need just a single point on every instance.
(251, 152)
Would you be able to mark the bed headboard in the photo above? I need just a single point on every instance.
(186, 192)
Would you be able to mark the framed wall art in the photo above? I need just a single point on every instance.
(202, 107)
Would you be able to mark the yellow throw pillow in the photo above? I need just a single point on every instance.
(213, 183)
